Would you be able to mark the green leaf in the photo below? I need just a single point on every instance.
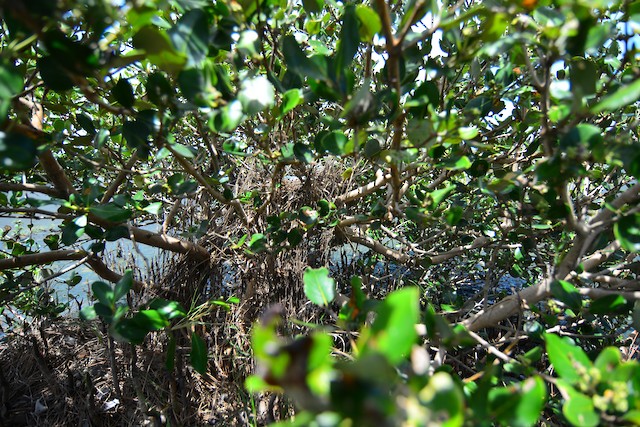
(583, 76)
(303, 153)
(111, 212)
(370, 23)
(168, 309)
(566, 358)
(54, 75)
(393, 331)
(123, 93)
(17, 152)
(258, 242)
(438, 196)
(610, 304)
(458, 163)
(256, 94)
(294, 237)
(468, 132)
(159, 90)
(607, 361)
(567, 294)
(171, 354)
(443, 396)
(154, 208)
(584, 134)
(158, 48)
(199, 358)
(190, 35)
(136, 134)
(88, 313)
(10, 82)
(103, 293)
(10, 85)
(313, 6)
(290, 100)
(622, 97)
(318, 286)
(150, 320)
(123, 286)
(184, 151)
(128, 330)
(298, 62)
(627, 232)
(534, 396)
(349, 40)
(578, 408)
(335, 142)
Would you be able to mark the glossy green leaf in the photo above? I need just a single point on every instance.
(335, 142)
(168, 309)
(258, 242)
(443, 396)
(567, 358)
(123, 286)
(128, 330)
(370, 23)
(349, 39)
(10, 85)
(578, 408)
(150, 320)
(627, 232)
(199, 356)
(607, 361)
(312, 6)
(88, 313)
(393, 331)
(298, 62)
(303, 153)
(190, 35)
(567, 294)
(622, 97)
(584, 134)
(318, 286)
(111, 212)
(291, 99)
(583, 76)
(159, 50)
(610, 304)
(103, 293)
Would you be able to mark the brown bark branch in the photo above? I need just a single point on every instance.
(119, 179)
(44, 189)
(41, 258)
(101, 269)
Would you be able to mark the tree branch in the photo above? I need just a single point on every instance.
(42, 258)
(44, 189)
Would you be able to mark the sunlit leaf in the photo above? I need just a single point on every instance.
(622, 97)
(318, 286)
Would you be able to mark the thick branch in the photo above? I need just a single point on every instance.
(101, 269)
(44, 189)
(378, 247)
(56, 174)
(41, 258)
(122, 175)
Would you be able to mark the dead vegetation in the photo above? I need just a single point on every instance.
(69, 372)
